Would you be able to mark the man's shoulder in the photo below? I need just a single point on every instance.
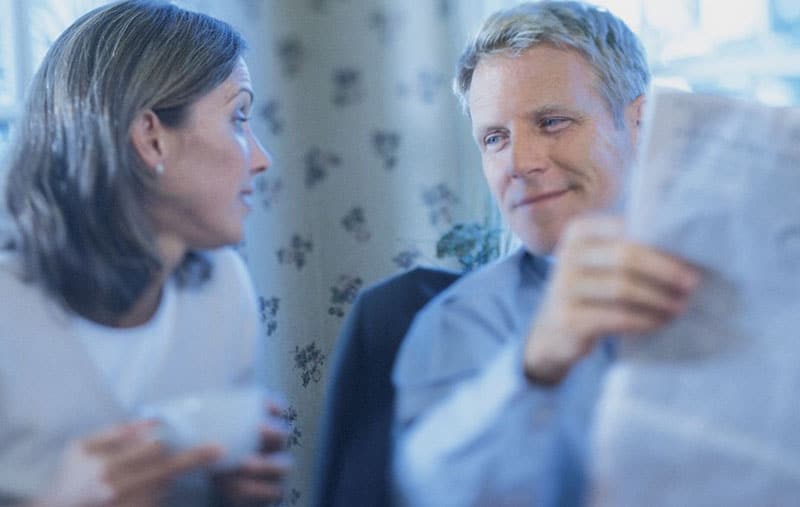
(461, 327)
(416, 283)
(480, 286)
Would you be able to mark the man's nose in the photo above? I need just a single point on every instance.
(528, 154)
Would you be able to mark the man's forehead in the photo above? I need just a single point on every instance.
(539, 62)
(544, 74)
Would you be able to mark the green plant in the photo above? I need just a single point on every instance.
(472, 244)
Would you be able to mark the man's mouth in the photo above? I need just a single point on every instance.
(540, 198)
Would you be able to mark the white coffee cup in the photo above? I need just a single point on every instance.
(230, 418)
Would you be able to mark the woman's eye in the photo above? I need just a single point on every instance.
(240, 119)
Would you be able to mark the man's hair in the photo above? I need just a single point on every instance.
(77, 187)
(613, 51)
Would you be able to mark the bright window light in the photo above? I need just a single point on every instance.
(723, 22)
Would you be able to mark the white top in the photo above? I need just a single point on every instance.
(55, 385)
(133, 354)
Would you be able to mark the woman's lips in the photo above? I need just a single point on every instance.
(246, 197)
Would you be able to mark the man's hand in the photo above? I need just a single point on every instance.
(120, 466)
(261, 477)
(602, 285)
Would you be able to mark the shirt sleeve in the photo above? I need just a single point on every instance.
(500, 440)
(444, 458)
(448, 344)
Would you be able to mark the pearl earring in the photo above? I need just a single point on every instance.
(159, 169)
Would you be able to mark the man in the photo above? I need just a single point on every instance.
(497, 377)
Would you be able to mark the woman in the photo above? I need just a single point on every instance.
(132, 166)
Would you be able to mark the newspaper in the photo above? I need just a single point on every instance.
(707, 411)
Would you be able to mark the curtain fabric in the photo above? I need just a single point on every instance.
(373, 165)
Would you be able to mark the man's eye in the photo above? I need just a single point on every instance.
(554, 124)
(492, 139)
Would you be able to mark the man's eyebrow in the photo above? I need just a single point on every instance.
(481, 131)
(240, 90)
(533, 115)
(549, 109)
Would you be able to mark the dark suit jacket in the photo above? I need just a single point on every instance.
(353, 464)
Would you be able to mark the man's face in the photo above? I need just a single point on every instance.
(549, 146)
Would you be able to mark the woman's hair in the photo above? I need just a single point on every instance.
(613, 51)
(76, 185)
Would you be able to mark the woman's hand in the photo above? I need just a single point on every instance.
(121, 466)
(260, 478)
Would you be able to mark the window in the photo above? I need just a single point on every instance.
(27, 28)
(749, 48)
(752, 49)
(8, 71)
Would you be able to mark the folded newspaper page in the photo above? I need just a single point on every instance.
(707, 411)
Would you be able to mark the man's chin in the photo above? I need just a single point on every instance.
(539, 232)
(538, 245)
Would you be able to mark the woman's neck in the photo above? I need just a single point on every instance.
(145, 307)
(172, 254)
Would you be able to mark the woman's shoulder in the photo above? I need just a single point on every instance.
(228, 278)
(228, 266)
(11, 273)
(8, 257)
(22, 301)
(227, 295)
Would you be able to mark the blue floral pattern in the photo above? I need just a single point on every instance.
(386, 24)
(406, 258)
(387, 144)
(427, 84)
(295, 433)
(344, 293)
(318, 164)
(291, 54)
(440, 201)
(269, 190)
(295, 254)
(353, 103)
(268, 309)
(348, 87)
(355, 222)
(309, 360)
(270, 113)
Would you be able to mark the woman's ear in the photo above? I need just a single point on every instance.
(147, 135)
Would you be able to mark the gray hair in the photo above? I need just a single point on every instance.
(77, 187)
(609, 46)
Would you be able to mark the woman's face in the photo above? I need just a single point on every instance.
(209, 165)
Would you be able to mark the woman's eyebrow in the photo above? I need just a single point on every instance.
(246, 90)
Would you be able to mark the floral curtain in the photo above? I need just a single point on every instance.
(374, 169)
(373, 166)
